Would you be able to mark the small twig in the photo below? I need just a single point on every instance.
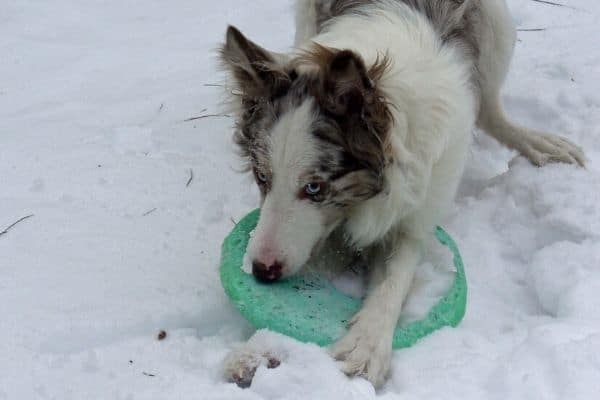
(531, 30)
(233, 220)
(201, 111)
(550, 3)
(148, 374)
(235, 92)
(149, 212)
(207, 116)
(5, 231)
(189, 182)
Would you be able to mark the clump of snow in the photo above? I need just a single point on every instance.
(92, 138)
(351, 283)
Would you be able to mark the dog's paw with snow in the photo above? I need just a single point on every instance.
(263, 349)
(366, 351)
(240, 365)
(542, 149)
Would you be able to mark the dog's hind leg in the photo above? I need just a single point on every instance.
(497, 40)
(310, 15)
(306, 20)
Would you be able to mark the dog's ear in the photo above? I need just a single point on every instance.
(346, 85)
(349, 92)
(256, 71)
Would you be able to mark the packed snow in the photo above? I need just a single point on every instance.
(131, 203)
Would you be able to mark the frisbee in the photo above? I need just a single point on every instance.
(309, 308)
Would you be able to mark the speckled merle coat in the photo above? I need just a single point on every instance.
(363, 129)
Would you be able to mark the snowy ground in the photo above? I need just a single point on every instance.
(92, 141)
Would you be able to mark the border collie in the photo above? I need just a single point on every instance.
(364, 129)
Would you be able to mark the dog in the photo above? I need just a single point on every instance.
(363, 130)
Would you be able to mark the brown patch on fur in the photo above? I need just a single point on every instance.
(348, 93)
(260, 80)
(252, 66)
(356, 186)
(454, 20)
(354, 118)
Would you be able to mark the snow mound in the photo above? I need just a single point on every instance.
(94, 143)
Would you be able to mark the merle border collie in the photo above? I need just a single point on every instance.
(363, 129)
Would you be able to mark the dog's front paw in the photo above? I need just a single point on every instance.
(365, 351)
(544, 148)
(240, 365)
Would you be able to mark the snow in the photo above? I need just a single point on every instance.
(93, 99)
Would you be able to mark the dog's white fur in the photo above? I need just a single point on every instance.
(275, 238)
(435, 108)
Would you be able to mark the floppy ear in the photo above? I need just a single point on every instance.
(255, 70)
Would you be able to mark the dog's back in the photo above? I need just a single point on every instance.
(455, 21)
(484, 30)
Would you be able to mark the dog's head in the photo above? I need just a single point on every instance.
(314, 129)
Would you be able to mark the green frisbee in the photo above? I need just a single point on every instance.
(310, 309)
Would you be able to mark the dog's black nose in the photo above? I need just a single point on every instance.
(267, 274)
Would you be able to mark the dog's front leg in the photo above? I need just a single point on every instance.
(366, 349)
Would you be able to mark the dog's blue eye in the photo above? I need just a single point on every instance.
(261, 177)
(313, 189)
